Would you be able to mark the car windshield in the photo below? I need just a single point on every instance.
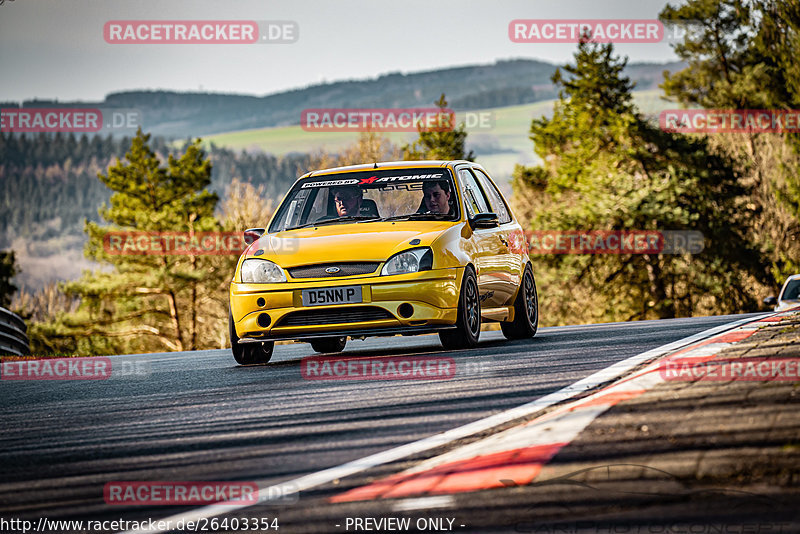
(791, 291)
(374, 195)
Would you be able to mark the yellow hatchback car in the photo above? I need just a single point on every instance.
(406, 248)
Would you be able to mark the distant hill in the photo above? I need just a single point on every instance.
(501, 84)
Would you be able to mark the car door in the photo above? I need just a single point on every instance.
(489, 249)
(509, 267)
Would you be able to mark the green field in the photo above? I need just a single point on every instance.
(498, 147)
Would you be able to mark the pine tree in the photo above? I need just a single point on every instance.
(150, 302)
(606, 168)
(8, 270)
(445, 141)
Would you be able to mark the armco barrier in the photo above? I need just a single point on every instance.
(13, 334)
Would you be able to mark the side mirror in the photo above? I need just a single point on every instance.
(252, 234)
(771, 301)
(484, 220)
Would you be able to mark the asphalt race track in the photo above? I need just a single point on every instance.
(198, 416)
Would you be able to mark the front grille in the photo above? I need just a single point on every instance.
(345, 269)
(356, 314)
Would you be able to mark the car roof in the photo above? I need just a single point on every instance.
(389, 165)
(791, 278)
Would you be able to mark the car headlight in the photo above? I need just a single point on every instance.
(409, 261)
(261, 272)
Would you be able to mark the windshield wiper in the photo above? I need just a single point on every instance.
(333, 220)
(418, 216)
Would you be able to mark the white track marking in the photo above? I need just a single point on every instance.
(705, 350)
(424, 503)
(362, 464)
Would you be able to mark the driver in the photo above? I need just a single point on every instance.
(436, 195)
(348, 200)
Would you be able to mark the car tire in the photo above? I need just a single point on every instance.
(468, 320)
(526, 310)
(249, 353)
(329, 344)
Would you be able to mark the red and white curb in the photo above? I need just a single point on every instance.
(516, 456)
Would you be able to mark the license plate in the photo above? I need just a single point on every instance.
(336, 295)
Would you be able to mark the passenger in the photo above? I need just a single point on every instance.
(436, 195)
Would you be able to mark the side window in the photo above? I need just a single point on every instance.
(792, 291)
(473, 195)
(495, 198)
(320, 206)
(292, 212)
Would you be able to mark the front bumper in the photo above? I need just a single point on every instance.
(432, 294)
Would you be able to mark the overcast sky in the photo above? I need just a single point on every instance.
(55, 49)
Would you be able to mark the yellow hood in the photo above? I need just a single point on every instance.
(369, 241)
